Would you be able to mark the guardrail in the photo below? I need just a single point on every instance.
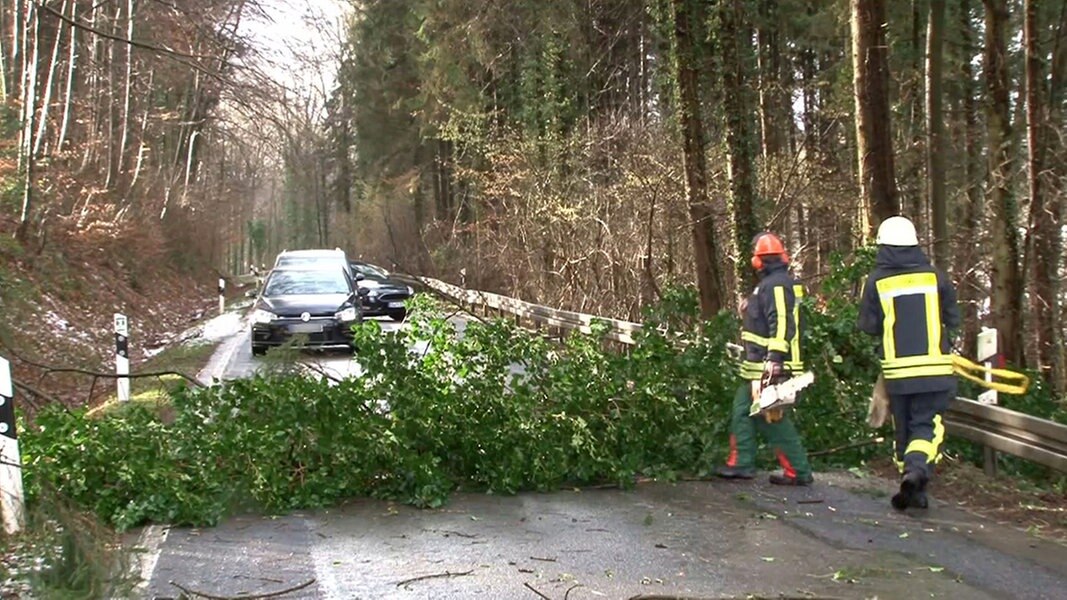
(1012, 432)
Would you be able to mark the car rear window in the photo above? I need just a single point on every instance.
(287, 283)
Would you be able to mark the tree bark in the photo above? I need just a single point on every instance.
(46, 101)
(736, 48)
(935, 131)
(71, 60)
(1006, 297)
(29, 102)
(124, 139)
(967, 251)
(1045, 250)
(873, 135)
(705, 249)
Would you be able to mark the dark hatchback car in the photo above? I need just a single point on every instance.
(320, 305)
(383, 296)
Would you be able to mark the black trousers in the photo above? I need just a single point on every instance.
(920, 432)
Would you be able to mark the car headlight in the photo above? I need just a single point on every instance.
(263, 316)
(348, 314)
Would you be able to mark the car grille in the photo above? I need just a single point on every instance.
(393, 297)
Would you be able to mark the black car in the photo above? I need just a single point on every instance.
(321, 305)
(384, 296)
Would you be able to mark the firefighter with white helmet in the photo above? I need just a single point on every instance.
(911, 307)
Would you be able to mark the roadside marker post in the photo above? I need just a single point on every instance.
(222, 295)
(987, 353)
(11, 499)
(122, 356)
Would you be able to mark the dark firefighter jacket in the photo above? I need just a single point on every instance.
(771, 328)
(911, 306)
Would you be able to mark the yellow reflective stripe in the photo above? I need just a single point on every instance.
(778, 343)
(794, 346)
(751, 370)
(795, 365)
(916, 361)
(907, 284)
(933, 322)
(939, 437)
(923, 446)
(931, 448)
(889, 343)
(759, 340)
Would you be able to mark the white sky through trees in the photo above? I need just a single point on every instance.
(299, 41)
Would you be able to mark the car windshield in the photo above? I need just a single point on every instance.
(370, 271)
(288, 283)
(301, 261)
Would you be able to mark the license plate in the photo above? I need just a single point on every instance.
(305, 328)
(396, 305)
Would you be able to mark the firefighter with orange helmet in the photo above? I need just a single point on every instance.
(771, 335)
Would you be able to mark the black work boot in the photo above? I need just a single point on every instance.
(912, 492)
(729, 472)
(782, 479)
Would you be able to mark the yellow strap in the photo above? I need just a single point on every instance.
(967, 368)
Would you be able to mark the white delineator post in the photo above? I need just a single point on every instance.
(987, 352)
(122, 356)
(222, 295)
(11, 502)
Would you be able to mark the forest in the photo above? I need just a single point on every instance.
(589, 154)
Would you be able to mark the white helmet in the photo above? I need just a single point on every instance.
(897, 231)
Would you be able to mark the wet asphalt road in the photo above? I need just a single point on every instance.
(838, 539)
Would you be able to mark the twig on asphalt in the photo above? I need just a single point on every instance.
(872, 441)
(243, 597)
(534, 590)
(434, 576)
(567, 596)
(542, 559)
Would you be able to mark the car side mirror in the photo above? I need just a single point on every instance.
(360, 276)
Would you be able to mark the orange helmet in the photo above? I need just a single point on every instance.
(767, 244)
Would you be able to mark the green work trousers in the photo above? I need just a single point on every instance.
(781, 436)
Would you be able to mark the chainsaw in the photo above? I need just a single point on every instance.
(770, 400)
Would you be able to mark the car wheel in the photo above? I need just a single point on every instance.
(258, 350)
(398, 316)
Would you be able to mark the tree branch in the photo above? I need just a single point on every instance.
(243, 597)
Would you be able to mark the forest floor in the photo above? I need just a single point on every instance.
(58, 297)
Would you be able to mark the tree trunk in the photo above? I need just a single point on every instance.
(873, 135)
(46, 101)
(1044, 253)
(1006, 297)
(935, 131)
(124, 139)
(967, 251)
(71, 60)
(29, 102)
(736, 48)
(705, 249)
